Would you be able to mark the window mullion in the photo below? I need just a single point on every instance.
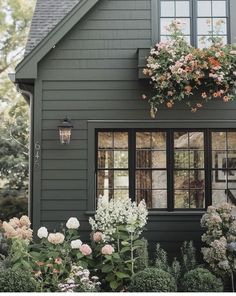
(208, 167)
(193, 15)
(170, 170)
(132, 163)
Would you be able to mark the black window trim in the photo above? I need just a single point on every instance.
(169, 164)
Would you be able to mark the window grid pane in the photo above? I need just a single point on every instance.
(113, 165)
(172, 10)
(212, 21)
(189, 170)
(151, 169)
(223, 166)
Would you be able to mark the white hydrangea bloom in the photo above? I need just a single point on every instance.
(73, 223)
(76, 244)
(42, 232)
(111, 214)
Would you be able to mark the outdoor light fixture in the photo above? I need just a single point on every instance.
(65, 131)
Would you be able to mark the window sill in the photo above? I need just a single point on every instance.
(164, 213)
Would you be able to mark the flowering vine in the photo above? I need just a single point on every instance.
(177, 69)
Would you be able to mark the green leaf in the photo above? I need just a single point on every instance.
(107, 268)
(116, 256)
(138, 242)
(79, 255)
(136, 247)
(125, 249)
(125, 243)
(121, 275)
(26, 265)
(110, 277)
(114, 285)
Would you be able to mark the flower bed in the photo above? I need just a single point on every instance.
(177, 69)
(117, 258)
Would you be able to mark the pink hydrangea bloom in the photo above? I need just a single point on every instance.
(98, 236)
(85, 250)
(107, 250)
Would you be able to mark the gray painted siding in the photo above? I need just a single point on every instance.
(92, 74)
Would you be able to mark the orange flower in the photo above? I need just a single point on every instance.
(193, 109)
(199, 105)
(215, 94)
(55, 270)
(214, 62)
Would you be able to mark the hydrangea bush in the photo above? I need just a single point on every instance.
(220, 239)
(117, 227)
(50, 261)
(176, 69)
(60, 261)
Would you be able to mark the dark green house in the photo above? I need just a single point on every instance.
(84, 61)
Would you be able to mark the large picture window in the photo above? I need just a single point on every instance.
(170, 169)
(202, 19)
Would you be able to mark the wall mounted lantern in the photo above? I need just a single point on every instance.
(65, 131)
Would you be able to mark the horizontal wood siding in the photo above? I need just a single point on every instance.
(92, 74)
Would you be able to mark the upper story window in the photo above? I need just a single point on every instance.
(202, 19)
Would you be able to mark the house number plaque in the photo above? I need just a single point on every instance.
(37, 149)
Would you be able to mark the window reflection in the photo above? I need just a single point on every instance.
(223, 166)
(189, 174)
(171, 10)
(211, 21)
(151, 170)
(113, 173)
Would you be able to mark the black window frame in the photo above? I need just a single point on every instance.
(208, 168)
(156, 21)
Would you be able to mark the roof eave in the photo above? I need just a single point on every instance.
(27, 68)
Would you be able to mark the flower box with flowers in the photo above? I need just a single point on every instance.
(180, 72)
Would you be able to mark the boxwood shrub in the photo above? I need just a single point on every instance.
(201, 280)
(152, 280)
(17, 281)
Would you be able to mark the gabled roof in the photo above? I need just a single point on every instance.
(27, 68)
(47, 14)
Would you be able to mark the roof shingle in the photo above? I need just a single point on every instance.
(47, 14)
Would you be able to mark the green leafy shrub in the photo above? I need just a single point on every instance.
(152, 280)
(13, 206)
(16, 281)
(142, 256)
(201, 280)
(188, 257)
(161, 262)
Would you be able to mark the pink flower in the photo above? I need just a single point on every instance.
(107, 250)
(85, 250)
(58, 260)
(97, 236)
